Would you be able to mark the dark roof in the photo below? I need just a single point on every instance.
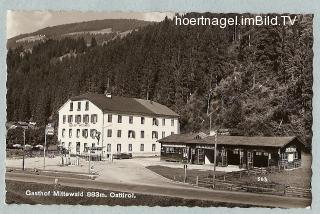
(230, 140)
(126, 105)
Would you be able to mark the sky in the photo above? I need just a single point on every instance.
(20, 22)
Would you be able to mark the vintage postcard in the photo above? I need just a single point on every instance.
(159, 109)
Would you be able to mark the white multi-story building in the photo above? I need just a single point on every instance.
(110, 124)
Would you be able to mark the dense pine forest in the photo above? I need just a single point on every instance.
(256, 79)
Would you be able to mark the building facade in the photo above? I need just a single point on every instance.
(107, 125)
(245, 152)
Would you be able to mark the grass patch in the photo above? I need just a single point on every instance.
(177, 174)
(300, 177)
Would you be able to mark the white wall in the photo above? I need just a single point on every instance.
(65, 110)
(137, 127)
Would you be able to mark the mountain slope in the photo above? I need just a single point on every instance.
(84, 29)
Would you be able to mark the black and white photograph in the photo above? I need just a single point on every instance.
(164, 109)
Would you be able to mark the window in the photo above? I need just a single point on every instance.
(266, 154)
(284, 156)
(163, 134)
(258, 153)
(119, 119)
(78, 147)
(172, 122)
(141, 147)
(130, 148)
(163, 121)
(87, 105)
(130, 119)
(71, 106)
(93, 145)
(119, 148)
(69, 146)
(109, 118)
(79, 106)
(142, 120)
(154, 135)
(94, 118)
(92, 133)
(295, 155)
(86, 118)
(155, 122)
(70, 132)
(108, 147)
(142, 134)
(78, 133)
(172, 133)
(153, 147)
(70, 118)
(78, 119)
(85, 147)
(85, 133)
(63, 132)
(64, 119)
(109, 133)
(131, 134)
(119, 133)
(235, 151)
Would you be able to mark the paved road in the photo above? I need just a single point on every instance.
(178, 190)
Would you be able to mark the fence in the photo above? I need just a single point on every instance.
(229, 182)
(297, 192)
(268, 188)
(18, 153)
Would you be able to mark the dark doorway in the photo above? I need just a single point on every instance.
(233, 157)
(260, 159)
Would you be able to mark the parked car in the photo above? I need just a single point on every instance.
(16, 146)
(40, 147)
(122, 156)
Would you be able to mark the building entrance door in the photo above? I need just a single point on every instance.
(250, 160)
(290, 157)
(118, 148)
(224, 157)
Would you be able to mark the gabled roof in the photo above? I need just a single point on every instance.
(125, 105)
(231, 140)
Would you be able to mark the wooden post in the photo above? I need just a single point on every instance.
(197, 181)
(185, 173)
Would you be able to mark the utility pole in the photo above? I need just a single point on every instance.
(44, 149)
(24, 147)
(214, 160)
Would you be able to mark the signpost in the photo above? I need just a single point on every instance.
(49, 130)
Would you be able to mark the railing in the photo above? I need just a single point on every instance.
(297, 192)
(271, 188)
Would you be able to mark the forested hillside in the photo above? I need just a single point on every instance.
(257, 79)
